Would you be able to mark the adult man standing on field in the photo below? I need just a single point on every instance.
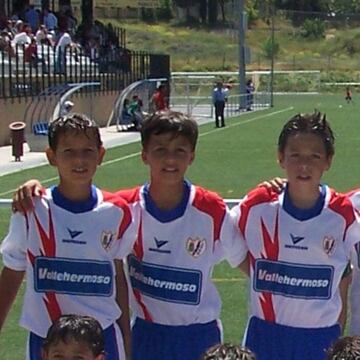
(219, 98)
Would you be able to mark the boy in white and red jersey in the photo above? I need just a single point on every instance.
(299, 246)
(354, 297)
(68, 244)
(184, 230)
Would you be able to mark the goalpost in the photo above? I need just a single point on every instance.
(191, 91)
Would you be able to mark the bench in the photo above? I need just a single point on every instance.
(41, 128)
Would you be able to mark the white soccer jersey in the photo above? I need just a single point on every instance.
(174, 254)
(297, 262)
(68, 258)
(354, 197)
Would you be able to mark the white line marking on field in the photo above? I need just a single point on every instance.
(248, 121)
(45, 181)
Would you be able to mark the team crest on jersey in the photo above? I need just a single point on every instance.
(107, 238)
(195, 246)
(329, 245)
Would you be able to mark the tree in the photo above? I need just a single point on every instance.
(187, 4)
(212, 12)
(87, 8)
(344, 6)
(269, 49)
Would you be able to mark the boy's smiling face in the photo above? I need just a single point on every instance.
(304, 159)
(168, 157)
(76, 157)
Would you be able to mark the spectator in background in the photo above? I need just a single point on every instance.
(41, 35)
(135, 110)
(18, 27)
(126, 118)
(219, 97)
(66, 107)
(32, 17)
(71, 22)
(63, 43)
(5, 43)
(23, 37)
(249, 95)
(158, 100)
(10, 28)
(50, 20)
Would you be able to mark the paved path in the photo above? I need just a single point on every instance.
(110, 136)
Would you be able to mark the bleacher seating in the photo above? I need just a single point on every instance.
(41, 128)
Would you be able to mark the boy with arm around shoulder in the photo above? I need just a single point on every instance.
(184, 231)
(68, 245)
(299, 247)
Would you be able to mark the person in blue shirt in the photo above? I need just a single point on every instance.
(219, 98)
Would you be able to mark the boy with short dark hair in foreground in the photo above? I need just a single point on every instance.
(74, 336)
(68, 245)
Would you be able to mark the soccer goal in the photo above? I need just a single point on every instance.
(191, 91)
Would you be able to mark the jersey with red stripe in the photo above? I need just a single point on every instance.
(354, 197)
(68, 258)
(171, 265)
(297, 257)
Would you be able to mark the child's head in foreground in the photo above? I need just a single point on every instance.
(228, 352)
(74, 337)
(346, 348)
(169, 122)
(306, 147)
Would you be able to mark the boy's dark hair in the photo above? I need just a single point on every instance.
(82, 329)
(228, 351)
(167, 121)
(79, 123)
(315, 123)
(345, 348)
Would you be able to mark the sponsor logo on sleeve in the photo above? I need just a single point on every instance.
(166, 283)
(293, 280)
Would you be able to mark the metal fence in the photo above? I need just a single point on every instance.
(27, 70)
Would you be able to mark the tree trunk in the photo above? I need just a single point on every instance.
(203, 9)
(87, 7)
(213, 12)
(222, 6)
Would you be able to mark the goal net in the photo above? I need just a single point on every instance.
(191, 92)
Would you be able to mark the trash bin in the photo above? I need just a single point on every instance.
(17, 139)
